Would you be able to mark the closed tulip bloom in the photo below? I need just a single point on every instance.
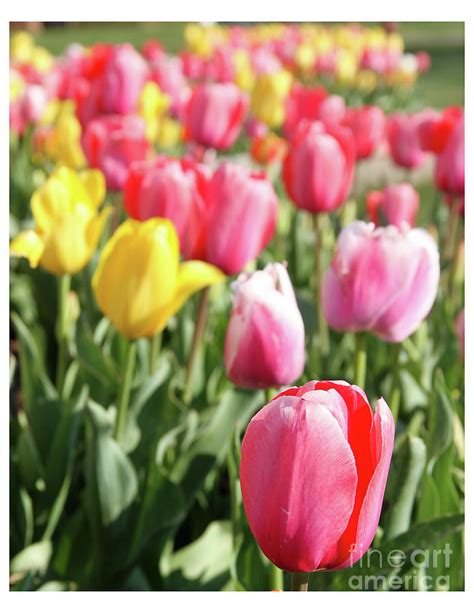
(367, 125)
(332, 110)
(215, 114)
(382, 280)
(396, 205)
(242, 217)
(404, 140)
(449, 172)
(302, 103)
(68, 222)
(123, 80)
(139, 282)
(112, 143)
(264, 345)
(436, 128)
(314, 466)
(319, 167)
(269, 97)
(173, 189)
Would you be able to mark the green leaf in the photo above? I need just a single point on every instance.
(35, 557)
(440, 429)
(204, 564)
(55, 586)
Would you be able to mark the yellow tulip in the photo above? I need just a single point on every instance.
(170, 133)
(17, 85)
(244, 73)
(198, 39)
(140, 283)
(152, 104)
(269, 95)
(68, 223)
(21, 47)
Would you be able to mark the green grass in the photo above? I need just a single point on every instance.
(443, 85)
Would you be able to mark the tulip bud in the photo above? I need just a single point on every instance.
(383, 280)
(241, 219)
(396, 204)
(139, 282)
(314, 466)
(215, 114)
(319, 167)
(264, 344)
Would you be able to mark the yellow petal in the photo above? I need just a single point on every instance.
(94, 184)
(193, 276)
(96, 227)
(28, 244)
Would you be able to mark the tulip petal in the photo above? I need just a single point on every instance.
(28, 244)
(94, 184)
(96, 227)
(382, 436)
(298, 479)
(192, 276)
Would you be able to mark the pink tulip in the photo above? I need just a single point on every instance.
(332, 110)
(242, 217)
(112, 143)
(314, 466)
(367, 125)
(168, 73)
(123, 80)
(302, 103)
(404, 141)
(215, 114)
(264, 345)
(319, 167)
(174, 189)
(449, 172)
(383, 280)
(398, 205)
(34, 103)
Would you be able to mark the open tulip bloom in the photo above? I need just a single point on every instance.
(314, 466)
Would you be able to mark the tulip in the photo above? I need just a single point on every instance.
(367, 125)
(268, 149)
(313, 471)
(332, 110)
(383, 280)
(123, 80)
(34, 103)
(436, 128)
(269, 97)
(174, 189)
(152, 105)
(215, 114)
(241, 219)
(112, 143)
(139, 283)
(404, 141)
(264, 345)
(302, 103)
(398, 204)
(319, 167)
(68, 224)
(449, 172)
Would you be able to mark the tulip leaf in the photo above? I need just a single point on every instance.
(440, 430)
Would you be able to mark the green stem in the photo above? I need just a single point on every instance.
(299, 582)
(58, 505)
(276, 578)
(155, 346)
(360, 360)
(452, 232)
(125, 388)
(62, 331)
(269, 394)
(395, 390)
(197, 338)
(319, 229)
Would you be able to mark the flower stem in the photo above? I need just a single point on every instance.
(395, 390)
(299, 582)
(360, 360)
(125, 388)
(155, 346)
(197, 338)
(319, 229)
(276, 578)
(62, 331)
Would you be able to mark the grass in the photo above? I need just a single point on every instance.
(442, 86)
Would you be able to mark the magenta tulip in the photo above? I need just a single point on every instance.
(404, 140)
(215, 114)
(367, 125)
(264, 345)
(241, 219)
(382, 280)
(449, 172)
(319, 167)
(314, 466)
(396, 204)
(123, 80)
(174, 189)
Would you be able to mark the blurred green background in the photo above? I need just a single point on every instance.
(442, 86)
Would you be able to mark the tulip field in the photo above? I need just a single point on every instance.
(236, 308)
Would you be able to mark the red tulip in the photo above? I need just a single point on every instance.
(241, 219)
(449, 172)
(264, 345)
(398, 205)
(314, 466)
(174, 189)
(302, 103)
(367, 125)
(435, 130)
(112, 143)
(215, 114)
(319, 167)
